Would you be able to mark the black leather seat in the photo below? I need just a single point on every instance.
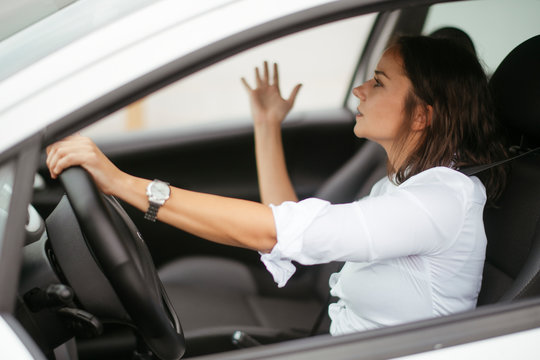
(512, 268)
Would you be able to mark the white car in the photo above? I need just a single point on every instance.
(156, 83)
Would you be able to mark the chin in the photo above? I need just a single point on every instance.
(358, 131)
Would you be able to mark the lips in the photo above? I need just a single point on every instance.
(359, 113)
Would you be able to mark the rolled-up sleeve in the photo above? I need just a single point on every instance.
(413, 220)
(291, 219)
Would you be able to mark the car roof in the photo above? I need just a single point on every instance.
(116, 53)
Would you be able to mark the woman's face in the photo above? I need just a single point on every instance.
(382, 100)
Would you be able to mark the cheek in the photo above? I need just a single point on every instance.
(393, 115)
(383, 117)
(386, 122)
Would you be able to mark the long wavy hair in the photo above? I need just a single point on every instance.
(463, 130)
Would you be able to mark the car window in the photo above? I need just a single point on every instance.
(323, 59)
(6, 185)
(486, 22)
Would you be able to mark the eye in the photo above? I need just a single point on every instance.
(377, 82)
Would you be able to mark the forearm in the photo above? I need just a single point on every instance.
(275, 185)
(222, 220)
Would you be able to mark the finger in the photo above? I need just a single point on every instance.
(66, 140)
(51, 150)
(73, 148)
(67, 161)
(294, 92)
(246, 85)
(276, 75)
(54, 161)
(53, 157)
(266, 72)
(258, 77)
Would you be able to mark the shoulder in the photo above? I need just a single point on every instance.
(450, 198)
(382, 186)
(443, 182)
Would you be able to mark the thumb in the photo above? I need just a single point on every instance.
(294, 92)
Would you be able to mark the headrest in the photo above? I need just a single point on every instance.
(515, 86)
(457, 35)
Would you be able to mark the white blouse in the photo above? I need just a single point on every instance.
(412, 251)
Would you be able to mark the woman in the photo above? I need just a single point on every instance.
(414, 248)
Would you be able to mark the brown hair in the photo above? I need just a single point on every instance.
(463, 130)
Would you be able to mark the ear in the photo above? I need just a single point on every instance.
(422, 117)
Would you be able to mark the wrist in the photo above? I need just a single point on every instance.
(132, 190)
(264, 120)
(267, 128)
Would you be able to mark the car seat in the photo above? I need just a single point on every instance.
(512, 267)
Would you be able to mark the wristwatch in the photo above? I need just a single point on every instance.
(158, 192)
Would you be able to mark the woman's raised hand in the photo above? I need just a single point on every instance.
(268, 107)
(79, 150)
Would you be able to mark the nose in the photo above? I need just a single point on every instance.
(360, 92)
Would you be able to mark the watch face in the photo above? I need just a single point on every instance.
(160, 190)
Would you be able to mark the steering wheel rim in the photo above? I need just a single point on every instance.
(125, 261)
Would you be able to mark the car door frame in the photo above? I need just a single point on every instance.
(25, 160)
(428, 336)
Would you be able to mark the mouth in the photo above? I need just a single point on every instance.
(359, 113)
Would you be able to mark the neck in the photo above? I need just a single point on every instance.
(398, 153)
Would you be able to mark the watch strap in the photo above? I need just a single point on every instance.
(152, 211)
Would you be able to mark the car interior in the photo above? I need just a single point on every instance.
(219, 298)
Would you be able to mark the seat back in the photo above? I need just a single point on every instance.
(355, 179)
(512, 268)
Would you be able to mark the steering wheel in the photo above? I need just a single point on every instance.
(122, 256)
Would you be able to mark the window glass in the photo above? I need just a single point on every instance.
(495, 26)
(323, 59)
(6, 188)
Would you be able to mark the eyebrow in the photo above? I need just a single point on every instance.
(379, 72)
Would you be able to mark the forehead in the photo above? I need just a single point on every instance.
(391, 63)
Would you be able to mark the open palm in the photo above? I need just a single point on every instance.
(267, 105)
